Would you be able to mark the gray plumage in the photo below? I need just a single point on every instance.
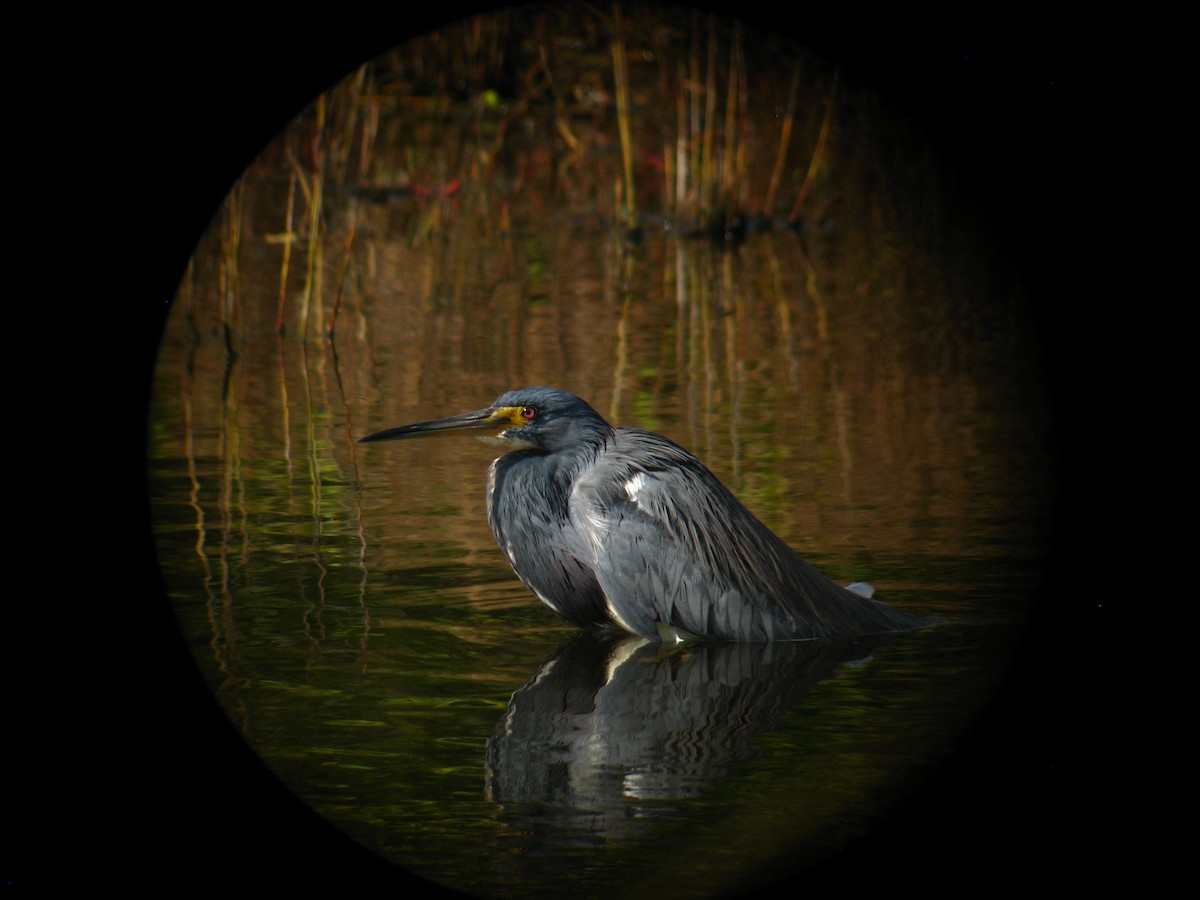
(623, 526)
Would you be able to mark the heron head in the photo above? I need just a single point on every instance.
(537, 418)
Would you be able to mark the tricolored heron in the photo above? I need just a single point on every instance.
(623, 526)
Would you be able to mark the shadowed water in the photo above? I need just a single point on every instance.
(863, 379)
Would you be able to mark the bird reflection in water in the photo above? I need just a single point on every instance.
(613, 730)
(616, 526)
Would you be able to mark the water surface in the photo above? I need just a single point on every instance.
(860, 373)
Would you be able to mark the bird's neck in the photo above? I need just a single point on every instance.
(549, 475)
(557, 468)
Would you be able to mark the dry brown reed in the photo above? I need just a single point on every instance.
(513, 105)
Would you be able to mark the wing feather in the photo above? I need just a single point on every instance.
(664, 549)
(670, 545)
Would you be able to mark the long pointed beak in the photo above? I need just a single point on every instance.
(482, 418)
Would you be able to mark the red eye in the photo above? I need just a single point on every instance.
(528, 412)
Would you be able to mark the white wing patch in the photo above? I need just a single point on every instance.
(633, 487)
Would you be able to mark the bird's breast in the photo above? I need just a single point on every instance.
(528, 513)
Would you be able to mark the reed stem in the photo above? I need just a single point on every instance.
(621, 84)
